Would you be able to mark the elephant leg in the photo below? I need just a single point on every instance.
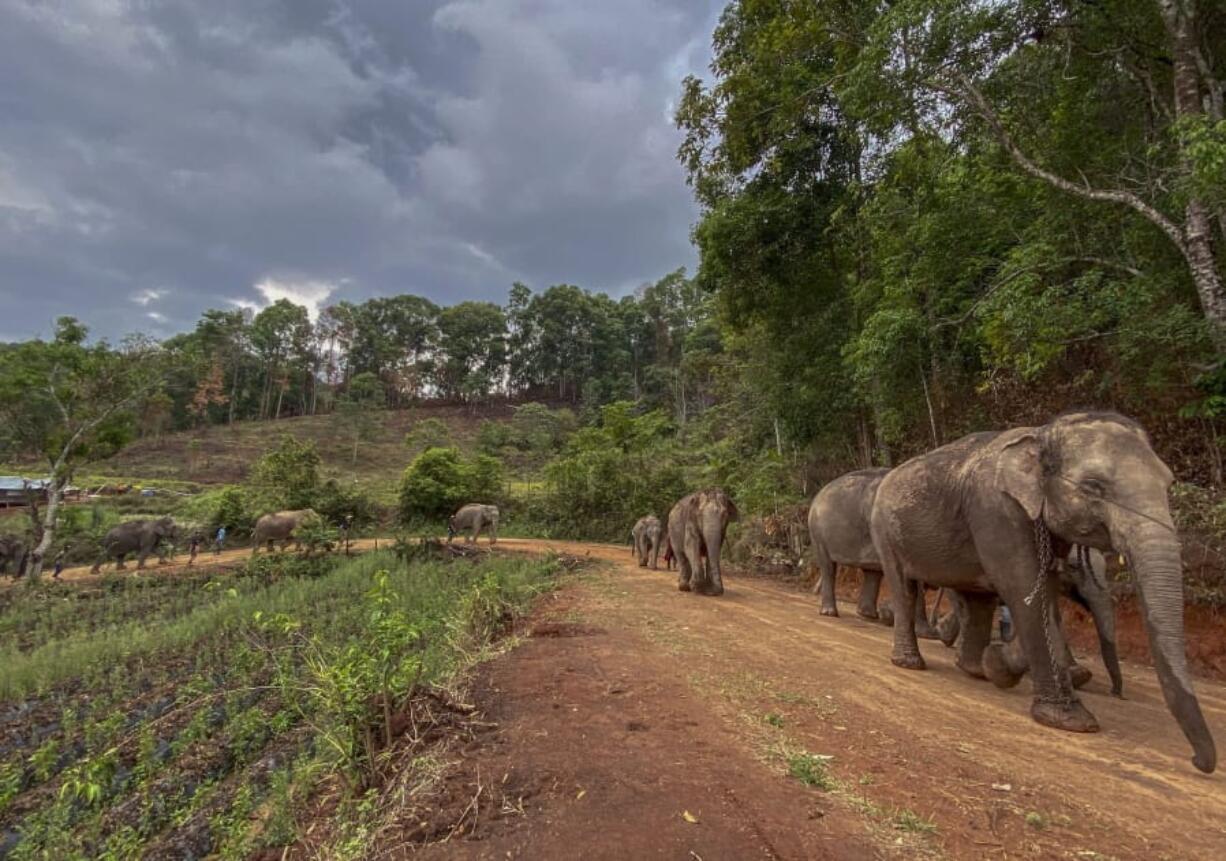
(1079, 675)
(494, 533)
(902, 592)
(1055, 702)
(870, 591)
(976, 632)
(923, 627)
(140, 559)
(655, 555)
(1005, 663)
(684, 574)
(692, 564)
(950, 626)
(120, 563)
(825, 581)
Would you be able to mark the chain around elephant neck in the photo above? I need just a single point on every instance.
(1042, 544)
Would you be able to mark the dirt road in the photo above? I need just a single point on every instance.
(908, 748)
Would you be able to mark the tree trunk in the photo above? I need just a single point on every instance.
(55, 491)
(1179, 19)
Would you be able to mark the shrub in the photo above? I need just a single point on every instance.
(334, 503)
(287, 476)
(434, 484)
(427, 434)
(440, 480)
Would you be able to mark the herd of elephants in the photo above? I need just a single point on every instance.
(1010, 519)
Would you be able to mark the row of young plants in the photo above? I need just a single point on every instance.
(205, 731)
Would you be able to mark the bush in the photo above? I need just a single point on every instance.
(334, 503)
(287, 476)
(427, 434)
(439, 480)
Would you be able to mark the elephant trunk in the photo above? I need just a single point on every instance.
(1154, 554)
(713, 538)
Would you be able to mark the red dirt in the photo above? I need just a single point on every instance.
(601, 750)
(948, 748)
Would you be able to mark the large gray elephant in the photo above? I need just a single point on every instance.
(474, 516)
(839, 534)
(986, 514)
(1082, 579)
(141, 537)
(12, 553)
(648, 534)
(696, 528)
(280, 526)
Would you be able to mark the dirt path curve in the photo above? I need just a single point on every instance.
(937, 743)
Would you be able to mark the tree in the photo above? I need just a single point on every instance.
(70, 402)
(1138, 80)
(440, 480)
(471, 358)
(282, 337)
(357, 410)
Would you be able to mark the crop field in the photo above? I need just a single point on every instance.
(172, 717)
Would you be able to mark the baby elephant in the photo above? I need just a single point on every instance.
(476, 517)
(648, 535)
(1082, 579)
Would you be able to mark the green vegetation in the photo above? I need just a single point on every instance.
(440, 480)
(159, 711)
(811, 770)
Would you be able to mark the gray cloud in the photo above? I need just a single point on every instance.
(163, 157)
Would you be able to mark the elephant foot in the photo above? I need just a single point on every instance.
(642, 564)
(869, 614)
(926, 632)
(996, 668)
(1079, 675)
(884, 615)
(914, 661)
(713, 589)
(830, 611)
(684, 586)
(948, 629)
(1070, 717)
(972, 669)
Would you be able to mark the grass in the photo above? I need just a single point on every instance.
(811, 770)
(912, 822)
(1036, 820)
(213, 717)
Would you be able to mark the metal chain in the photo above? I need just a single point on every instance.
(1042, 542)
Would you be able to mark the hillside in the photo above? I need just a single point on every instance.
(224, 454)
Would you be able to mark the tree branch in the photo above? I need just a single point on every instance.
(1173, 231)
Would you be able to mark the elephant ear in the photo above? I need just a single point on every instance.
(1019, 474)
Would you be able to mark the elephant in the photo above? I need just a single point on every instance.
(1080, 578)
(141, 537)
(281, 526)
(985, 515)
(839, 533)
(647, 535)
(12, 551)
(696, 528)
(474, 516)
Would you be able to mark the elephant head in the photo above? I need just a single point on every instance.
(1094, 480)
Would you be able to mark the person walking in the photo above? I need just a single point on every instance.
(220, 541)
(59, 564)
(193, 547)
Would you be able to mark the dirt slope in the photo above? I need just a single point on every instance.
(937, 743)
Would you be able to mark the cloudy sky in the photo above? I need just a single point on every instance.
(160, 157)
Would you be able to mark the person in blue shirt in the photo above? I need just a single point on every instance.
(220, 541)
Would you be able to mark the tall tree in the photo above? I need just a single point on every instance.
(70, 402)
